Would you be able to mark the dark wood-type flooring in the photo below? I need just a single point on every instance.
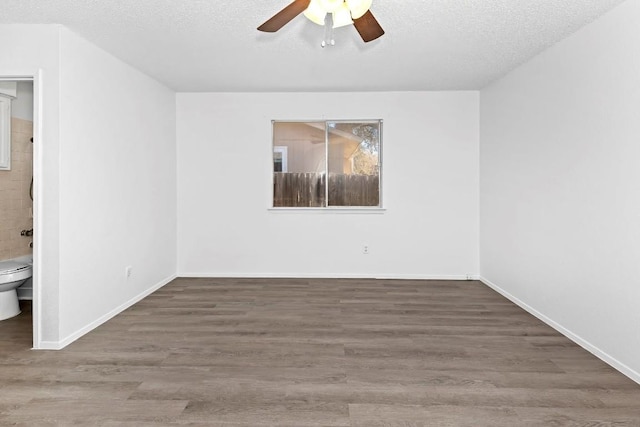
(285, 352)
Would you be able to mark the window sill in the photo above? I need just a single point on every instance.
(331, 210)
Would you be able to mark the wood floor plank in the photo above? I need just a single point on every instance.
(313, 352)
(370, 415)
(64, 411)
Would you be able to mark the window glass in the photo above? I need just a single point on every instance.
(354, 164)
(300, 181)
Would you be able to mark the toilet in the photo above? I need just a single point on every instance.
(12, 275)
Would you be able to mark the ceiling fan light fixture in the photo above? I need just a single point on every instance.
(358, 7)
(315, 12)
(342, 16)
(330, 6)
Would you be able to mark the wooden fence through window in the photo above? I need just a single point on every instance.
(308, 190)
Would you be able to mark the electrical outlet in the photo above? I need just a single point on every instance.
(128, 271)
(365, 250)
(469, 277)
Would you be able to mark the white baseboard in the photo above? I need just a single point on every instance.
(58, 345)
(327, 276)
(600, 354)
(48, 345)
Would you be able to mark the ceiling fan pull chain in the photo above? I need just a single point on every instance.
(328, 32)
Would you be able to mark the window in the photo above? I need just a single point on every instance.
(343, 154)
(279, 159)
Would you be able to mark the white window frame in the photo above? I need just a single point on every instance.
(331, 209)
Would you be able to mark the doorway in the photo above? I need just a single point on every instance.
(23, 235)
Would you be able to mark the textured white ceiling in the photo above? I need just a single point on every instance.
(213, 45)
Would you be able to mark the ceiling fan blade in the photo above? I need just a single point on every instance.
(281, 18)
(368, 27)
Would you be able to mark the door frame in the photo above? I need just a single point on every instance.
(34, 75)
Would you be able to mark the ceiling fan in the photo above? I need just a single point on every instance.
(343, 12)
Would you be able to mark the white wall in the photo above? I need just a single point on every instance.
(117, 185)
(430, 180)
(28, 50)
(107, 183)
(560, 186)
(22, 106)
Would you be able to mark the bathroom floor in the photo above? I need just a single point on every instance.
(16, 333)
(274, 352)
